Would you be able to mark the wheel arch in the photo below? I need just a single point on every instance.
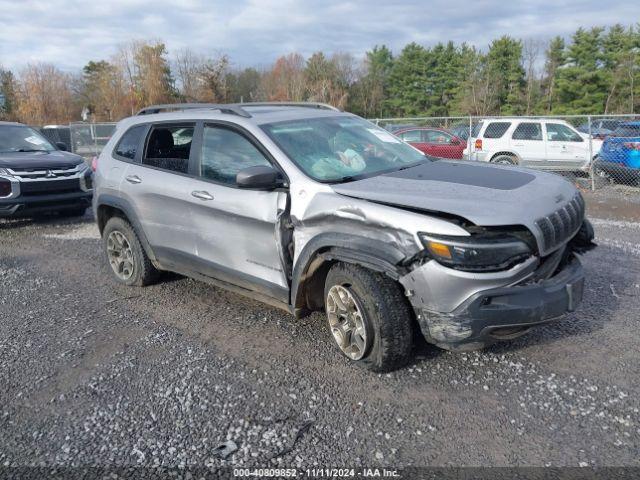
(507, 153)
(319, 254)
(108, 206)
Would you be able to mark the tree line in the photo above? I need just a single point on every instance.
(596, 72)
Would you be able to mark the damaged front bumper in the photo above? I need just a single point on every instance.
(503, 312)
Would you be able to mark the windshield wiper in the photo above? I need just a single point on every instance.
(345, 179)
(26, 150)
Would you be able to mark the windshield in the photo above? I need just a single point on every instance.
(627, 131)
(336, 149)
(18, 138)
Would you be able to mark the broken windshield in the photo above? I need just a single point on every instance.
(340, 149)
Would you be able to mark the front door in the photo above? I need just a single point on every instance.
(237, 228)
(566, 149)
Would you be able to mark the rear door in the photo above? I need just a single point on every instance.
(159, 189)
(566, 148)
(237, 229)
(528, 142)
(492, 139)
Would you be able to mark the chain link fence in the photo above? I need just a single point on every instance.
(85, 139)
(88, 139)
(595, 152)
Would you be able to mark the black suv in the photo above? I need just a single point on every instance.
(39, 177)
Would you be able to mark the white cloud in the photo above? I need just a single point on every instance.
(69, 33)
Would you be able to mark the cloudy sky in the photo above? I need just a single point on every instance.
(69, 33)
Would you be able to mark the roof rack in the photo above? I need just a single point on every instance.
(226, 108)
(233, 108)
(322, 106)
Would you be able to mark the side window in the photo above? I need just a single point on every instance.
(128, 144)
(496, 129)
(168, 147)
(528, 131)
(557, 132)
(226, 152)
(411, 136)
(436, 136)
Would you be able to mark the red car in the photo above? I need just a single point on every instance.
(433, 141)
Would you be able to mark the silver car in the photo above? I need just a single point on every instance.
(308, 208)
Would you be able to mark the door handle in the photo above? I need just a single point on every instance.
(202, 195)
(133, 179)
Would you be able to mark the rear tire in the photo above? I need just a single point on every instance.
(504, 160)
(127, 259)
(375, 328)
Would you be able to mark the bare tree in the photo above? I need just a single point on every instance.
(285, 80)
(201, 78)
(531, 54)
(44, 95)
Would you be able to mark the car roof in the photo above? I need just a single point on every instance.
(408, 129)
(6, 124)
(258, 115)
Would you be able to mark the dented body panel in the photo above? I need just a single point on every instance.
(281, 242)
(483, 194)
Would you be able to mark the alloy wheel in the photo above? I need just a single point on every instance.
(120, 255)
(347, 323)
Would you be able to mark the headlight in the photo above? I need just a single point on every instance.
(476, 253)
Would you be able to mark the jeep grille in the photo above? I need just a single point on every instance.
(562, 224)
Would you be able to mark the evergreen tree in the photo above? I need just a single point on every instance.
(582, 81)
(505, 72)
(408, 87)
(8, 89)
(371, 88)
(555, 58)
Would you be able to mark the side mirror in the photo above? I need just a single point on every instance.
(62, 146)
(455, 141)
(259, 177)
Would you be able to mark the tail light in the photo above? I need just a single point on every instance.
(94, 163)
(478, 144)
(631, 145)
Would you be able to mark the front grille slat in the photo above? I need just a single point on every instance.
(559, 226)
(48, 188)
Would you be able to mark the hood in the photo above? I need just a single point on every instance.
(39, 160)
(484, 194)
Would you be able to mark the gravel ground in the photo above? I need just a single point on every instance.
(93, 373)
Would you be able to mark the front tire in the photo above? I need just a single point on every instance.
(129, 262)
(369, 317)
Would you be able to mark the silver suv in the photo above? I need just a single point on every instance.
(308, 208)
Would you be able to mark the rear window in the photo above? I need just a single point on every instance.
(528, 131)
(128, 144)
(169, 147)
(610, 124)
(496, 129)
(411, 136)
(627, 131)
